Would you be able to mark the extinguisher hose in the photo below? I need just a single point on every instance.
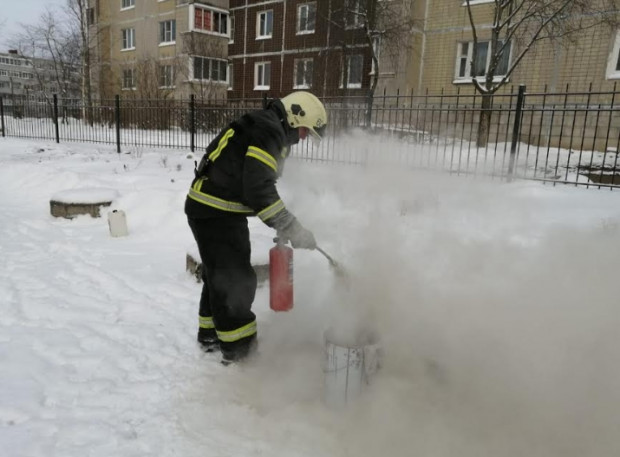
(335, 265)
(332, 262)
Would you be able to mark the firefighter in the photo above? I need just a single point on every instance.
(236, 178)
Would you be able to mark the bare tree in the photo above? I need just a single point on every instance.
(54, 50)
(197, 46)
(78, 22)
(387, 28)
(518, 26)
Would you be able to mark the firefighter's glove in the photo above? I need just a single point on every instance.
(300, 236)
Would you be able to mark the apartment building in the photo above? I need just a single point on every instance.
(17, 76)
(441, 58)
(278, 46)
(21, 77)
(159, 48)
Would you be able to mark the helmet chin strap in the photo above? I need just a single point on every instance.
(292, 135)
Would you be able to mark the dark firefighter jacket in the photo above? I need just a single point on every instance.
(239, 171)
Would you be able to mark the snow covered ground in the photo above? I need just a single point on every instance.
(496, 304)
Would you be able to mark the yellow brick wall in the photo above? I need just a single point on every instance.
(578, 63)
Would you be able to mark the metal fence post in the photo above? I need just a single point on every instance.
(2, 116)
(56, 131)
(117, 120)
(192, 122)
(516, 130)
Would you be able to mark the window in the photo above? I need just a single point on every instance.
(220, 23)
(231, 20)
(613, 62)
(465, 52)
(353, 16)
(303, 74)
(206, 69)
(212, 21)
(166, 76)
(129, 39)
(354, 72)
(125, 4)
(264, 24)
(129, 79)
(230, 76)
(477, 2)
(262, 75)
(306, 18)
(90, 16)
(167, 31)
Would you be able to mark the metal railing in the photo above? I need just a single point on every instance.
(567, 137)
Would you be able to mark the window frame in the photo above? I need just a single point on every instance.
(477, 2)
(163, 77)
(348, 62)
(90, 16)
(613, 60)
(163, 32)
(304, 61)
(124, 79)
(212, 13)
(357, 22)
(130, 4)
(467, 59)
(126, 39)
(259, 32)
(209, 72)
(263, 65)
(231, 29)
(308, 6)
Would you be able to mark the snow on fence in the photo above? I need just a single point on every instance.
(570, 137)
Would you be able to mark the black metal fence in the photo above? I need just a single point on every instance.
(568, 137)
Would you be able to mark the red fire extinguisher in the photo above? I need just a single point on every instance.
(280, 276)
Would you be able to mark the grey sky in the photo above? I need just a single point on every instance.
(13, 12)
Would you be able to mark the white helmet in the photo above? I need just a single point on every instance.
(305, 110)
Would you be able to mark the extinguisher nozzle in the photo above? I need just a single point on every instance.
(338, 269)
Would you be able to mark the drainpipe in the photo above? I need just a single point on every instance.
(283, 47)
(245, 46)
(327, 45)
(421, 74)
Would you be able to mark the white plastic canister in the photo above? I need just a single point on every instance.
(118, 223)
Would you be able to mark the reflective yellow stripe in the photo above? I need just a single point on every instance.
(224, 205)
(263, 156)
(236, 335)
(271, 210)
(205, 322)
(221, 145)
(197, 184)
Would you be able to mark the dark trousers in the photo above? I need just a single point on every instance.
(229, 281)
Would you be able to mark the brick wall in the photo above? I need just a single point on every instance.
(325, 46)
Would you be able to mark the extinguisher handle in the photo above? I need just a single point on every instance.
(280, 239)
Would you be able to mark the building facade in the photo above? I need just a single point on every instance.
(441, 52)
(159, 49)
(279, 46)
(22, 77)
(17, 76)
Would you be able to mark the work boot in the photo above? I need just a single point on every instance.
(207, 338)
(240, 351)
